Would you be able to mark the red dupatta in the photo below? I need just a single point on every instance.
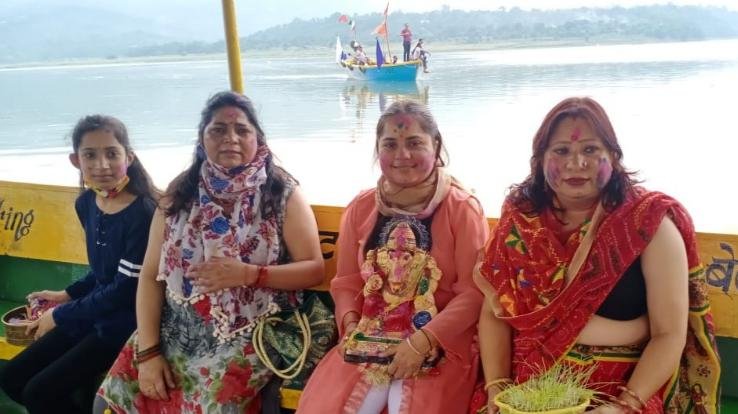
(525, 265)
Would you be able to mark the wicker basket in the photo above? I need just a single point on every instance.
(508, 409)
(15, 333)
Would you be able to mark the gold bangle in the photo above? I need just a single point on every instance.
(632, 394)
(626, 405)
(497, 382)
(427, 338)
(410, 344)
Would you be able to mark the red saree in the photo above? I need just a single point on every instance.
(525, 264)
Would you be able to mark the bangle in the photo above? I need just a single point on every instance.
(626, 405)
(147, 357)
(148, 353)
(499, 383)
(427, 338)
(262, 273)
(632, 394)
(410, 344)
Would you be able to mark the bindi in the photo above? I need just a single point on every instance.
(576, 134)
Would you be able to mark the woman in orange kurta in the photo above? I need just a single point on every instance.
(406, 252)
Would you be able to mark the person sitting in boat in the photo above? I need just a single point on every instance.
(406, 304)
(419, 53)
(360, 57)
(79, 339)
(589, 269)
(233, 243)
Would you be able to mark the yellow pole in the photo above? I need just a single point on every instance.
(234, 50)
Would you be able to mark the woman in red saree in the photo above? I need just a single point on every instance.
(587, 268)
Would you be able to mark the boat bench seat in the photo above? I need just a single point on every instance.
(51, 254)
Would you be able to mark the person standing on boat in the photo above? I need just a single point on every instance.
(406, 304)
(79, 339)
(233, 243)
(585, 267)
(419, 53)
(407, 41)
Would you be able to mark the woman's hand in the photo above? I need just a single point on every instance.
(406, 362)
(492, 392)
(219, 273)
(155, 378)
(59, 296)
(608, 409)
(42, 325)
(349, 329)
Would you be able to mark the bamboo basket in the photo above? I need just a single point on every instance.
(15, 332)
(508, 409)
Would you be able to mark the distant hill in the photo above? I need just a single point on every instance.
(41, 34)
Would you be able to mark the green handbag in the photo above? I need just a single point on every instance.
(291, 343)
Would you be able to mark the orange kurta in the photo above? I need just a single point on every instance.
(458, 230)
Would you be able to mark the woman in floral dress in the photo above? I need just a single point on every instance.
(234, 243)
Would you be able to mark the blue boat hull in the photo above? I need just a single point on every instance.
(396, 73)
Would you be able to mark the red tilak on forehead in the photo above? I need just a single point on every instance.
(576, 134)
(231, 113)
(402, 121)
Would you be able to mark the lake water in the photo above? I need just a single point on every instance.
(672, 105)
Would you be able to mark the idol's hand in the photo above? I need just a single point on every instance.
(219, 273)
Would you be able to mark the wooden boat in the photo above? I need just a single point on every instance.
(399, 72)
(42, 247)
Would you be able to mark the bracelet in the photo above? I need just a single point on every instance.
(410, 344)
(499, 382)
(626, 405)
(427, 338)
(153, 348)
(148, 353)
(262, 272)
(632, 394)
(140, 360)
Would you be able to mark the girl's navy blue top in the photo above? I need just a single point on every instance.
(104, 300)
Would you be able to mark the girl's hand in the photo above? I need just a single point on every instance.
(155, 378)
(59, 296)
(219, 273)
(492, 392)
(42, 325)
(406, 362)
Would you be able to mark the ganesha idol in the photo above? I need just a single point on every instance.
(400, 278)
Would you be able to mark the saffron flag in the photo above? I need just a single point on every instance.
(381, 30)
(380, 55)
(343, 19)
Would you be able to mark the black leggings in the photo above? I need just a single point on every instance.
(45, 376)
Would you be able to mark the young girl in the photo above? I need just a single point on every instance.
(79, 339)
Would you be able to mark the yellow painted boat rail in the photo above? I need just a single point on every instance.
(39, 222)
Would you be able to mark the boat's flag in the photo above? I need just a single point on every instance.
(345, 19)
(339, 50)
(380, 55)
(381, 30)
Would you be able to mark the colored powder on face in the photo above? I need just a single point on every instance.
(403, 121)
(576, 134)
(231, 113)
(604, 172)
(552, 173)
